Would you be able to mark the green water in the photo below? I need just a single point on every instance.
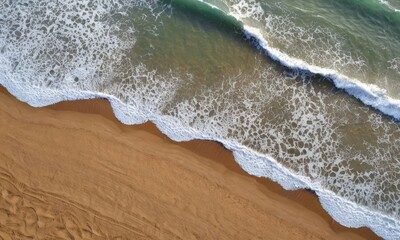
(231, 90)
(192, 66)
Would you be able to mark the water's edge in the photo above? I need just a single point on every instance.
(343, 211)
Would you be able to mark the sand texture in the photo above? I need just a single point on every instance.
(71, 171)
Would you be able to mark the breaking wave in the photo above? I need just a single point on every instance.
(53, 51)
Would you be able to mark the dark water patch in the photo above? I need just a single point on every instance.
(208, 13)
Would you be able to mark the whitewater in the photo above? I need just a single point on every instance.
(149, 96)
(389, 5)
(252, 162)
(369, 94)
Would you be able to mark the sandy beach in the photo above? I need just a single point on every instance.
(72, 171)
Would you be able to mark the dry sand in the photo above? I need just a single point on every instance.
(72, 171)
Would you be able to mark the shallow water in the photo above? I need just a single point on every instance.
(192, 67)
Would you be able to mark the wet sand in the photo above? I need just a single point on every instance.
(72, 171)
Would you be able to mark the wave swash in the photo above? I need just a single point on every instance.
(51, 51)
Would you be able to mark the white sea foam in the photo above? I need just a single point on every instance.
(141, 95)
(252, 162)
(247, 9)
(369, 94)
(389, 5)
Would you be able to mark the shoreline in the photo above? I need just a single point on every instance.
(216, 157)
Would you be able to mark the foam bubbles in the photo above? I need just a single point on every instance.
(312, 138)
(389, 5)
(315, 44)
(246, 9)
(69, 44)
(395, 64)
(148, 91)
(278, 125)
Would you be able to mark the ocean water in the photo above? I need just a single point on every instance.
(306, 93)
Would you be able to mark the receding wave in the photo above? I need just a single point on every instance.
(282, 121)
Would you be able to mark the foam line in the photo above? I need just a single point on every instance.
(253, 162)
(387, 4)
(342, 210)
(369, 94)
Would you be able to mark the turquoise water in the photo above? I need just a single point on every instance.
(303, 92)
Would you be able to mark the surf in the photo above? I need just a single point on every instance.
(145, 97)
(389, 5)
(370, 94)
